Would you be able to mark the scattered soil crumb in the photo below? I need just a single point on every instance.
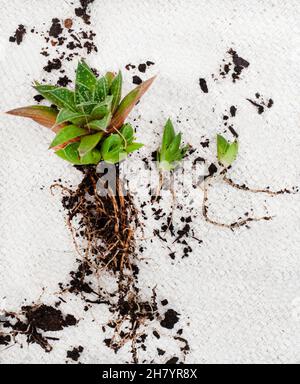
(170, 319)
(75, 353)
(19, 35)
(203, 85)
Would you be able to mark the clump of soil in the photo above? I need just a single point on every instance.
(75, 353)
(32, 320)
(83, 11)
(18, 35)
(56, 28)
(261, 104)
(233, 67)
(170, 319)
(203, 85)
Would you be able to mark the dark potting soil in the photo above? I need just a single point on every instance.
(203, 85)
(18, 35)
(37, 318)
(54, 64)
(84, 10)
(137, 80)
(75, 353)
(56, 28)
(171, 318)
(233, 67)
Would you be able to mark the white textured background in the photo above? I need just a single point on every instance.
(238, 290)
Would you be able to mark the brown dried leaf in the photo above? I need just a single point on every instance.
(128, 103)
(42, 115)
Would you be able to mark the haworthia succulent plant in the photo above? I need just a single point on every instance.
(171, 151)
(89, 121)
(227, 152)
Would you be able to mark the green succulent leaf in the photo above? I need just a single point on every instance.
(127, 133)
(61, 97)
(109, 77)
(88, 143)
(101, 90)
(66, 134)
(100, 125)
(227, 152)
(67, 115)
(70, 153)
(113, 149)
(134, 147)
(102, 109)
(116, 91)
(85, 78)
(169, 135)
(171, 152)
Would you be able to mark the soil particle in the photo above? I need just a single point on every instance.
(164, 302)
(64, 81)
(75, 353)
(149, 63)
(142, 68)
(48, 318)
(56, 28)
(233, 111)
(68, 23)
(160, 352)
(83, 11)
(38, 98)
(55, 64)
(137, 80)
(260, 108)
(130, 66)
(212, 169)
(173, 360)
(233, 131)
(203, 85)
(233, 67)
(170, 319)
(270, 103)
(18, 35)
(5, 339)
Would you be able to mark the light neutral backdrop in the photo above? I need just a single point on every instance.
(238, 293)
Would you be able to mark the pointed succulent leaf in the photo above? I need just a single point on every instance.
(134, 147)
(115, 156)
(231, 154)
(116, 91)
(113, 150)
(85, 77)
(127, 133)
(222, 146)
(92, 157)
(169, 135)
(88, 143)
(101, 109)
(42, 115)
(100, 125)
(66, 115)
(128, 103)
(175, 145)
(101, 90)
(61, 97)
(227, 152)
(110, 77)
(70, 153)
(66, 134)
